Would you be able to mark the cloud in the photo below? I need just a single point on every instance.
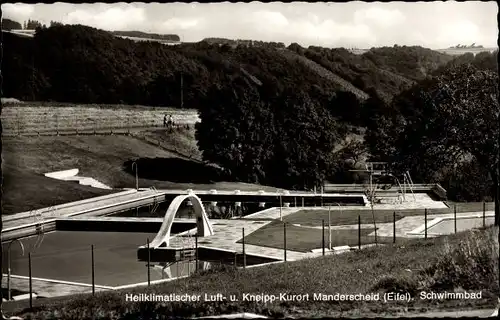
(17, 11)
(272, 19)
(309, 29)
(379, 17)
(179, 23)
(116, 18)
(463, 32)
(353, 24)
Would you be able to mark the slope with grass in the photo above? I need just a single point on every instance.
(181, 141)
(466, 261)
(24, 190)
(105, 158)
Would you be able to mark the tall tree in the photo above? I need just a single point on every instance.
(283, 139)
(306, 135)
(33, 24)
(236, 130)
(443, 121)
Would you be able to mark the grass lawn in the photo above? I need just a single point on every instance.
(183, 141)
(101, 157)
(305, 239)
(24, 191)
(464, 261)
(346, 217)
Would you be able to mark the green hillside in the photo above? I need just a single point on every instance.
(86, 65)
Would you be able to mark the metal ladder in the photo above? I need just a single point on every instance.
(410, 183)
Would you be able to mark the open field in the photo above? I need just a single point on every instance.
(42, 117)
(450, 51)
(439, 264)
(461, 51)
(104, 158)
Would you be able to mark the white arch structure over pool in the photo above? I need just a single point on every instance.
(204, 227)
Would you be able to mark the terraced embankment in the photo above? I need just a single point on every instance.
(19, 119)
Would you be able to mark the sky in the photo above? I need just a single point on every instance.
(434, 25)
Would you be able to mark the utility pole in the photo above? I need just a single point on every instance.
(182, 90)
(497, 186)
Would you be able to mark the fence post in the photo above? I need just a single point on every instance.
(93, 270)
(394, 227)
(484, 214)
(425, 223)
(284, 239)
(149, 261)
(359, 232)
(31, 282)
(323, 236)
(243, 244)
(455, 217)
(196, 252)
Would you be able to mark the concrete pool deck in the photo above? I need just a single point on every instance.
(421, 201)
(228, 232)
(92, 206)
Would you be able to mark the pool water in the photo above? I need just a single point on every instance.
(66, 256)
(223, 210)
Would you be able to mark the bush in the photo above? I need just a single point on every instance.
(473, 264)
(397, 284)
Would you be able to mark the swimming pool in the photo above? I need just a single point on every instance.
(223, 210)
(66, 256)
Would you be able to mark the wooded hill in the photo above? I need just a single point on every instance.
(86, 65)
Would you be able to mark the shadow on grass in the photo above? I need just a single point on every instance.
(175, 170)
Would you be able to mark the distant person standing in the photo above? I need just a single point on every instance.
(171, 120)
(164, 120)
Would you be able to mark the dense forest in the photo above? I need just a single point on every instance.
(283, 115)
